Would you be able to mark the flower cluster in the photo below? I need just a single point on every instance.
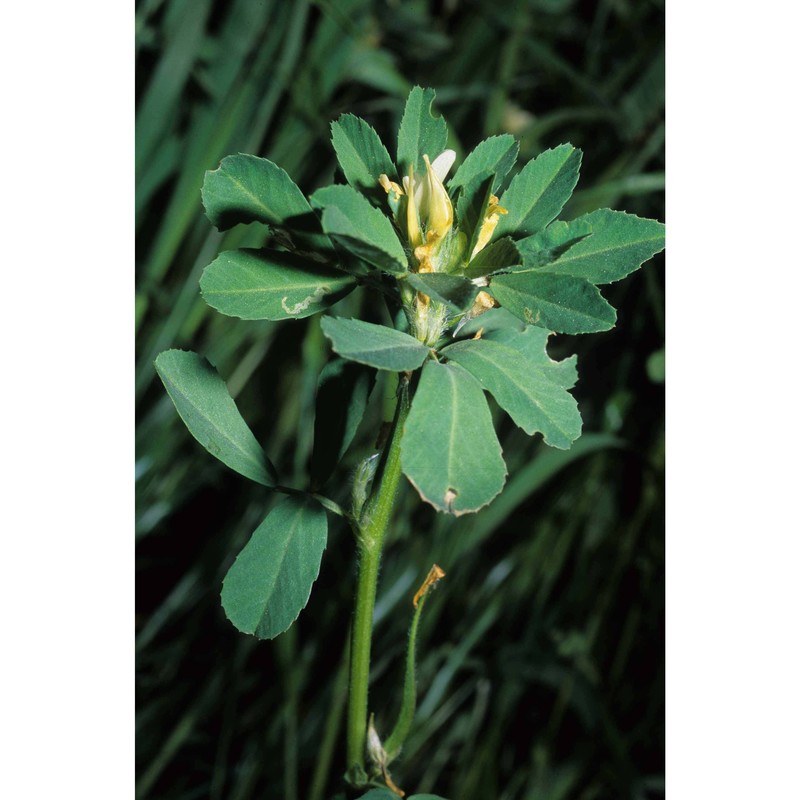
(423, 211)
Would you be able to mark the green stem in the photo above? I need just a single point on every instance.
(370, 534)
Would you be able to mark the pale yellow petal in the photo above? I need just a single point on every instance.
(439, 208)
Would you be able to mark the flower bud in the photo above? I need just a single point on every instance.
(435, 206)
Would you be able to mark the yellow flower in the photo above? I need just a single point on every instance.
(435, 206)
(493, 212)
(429, 212)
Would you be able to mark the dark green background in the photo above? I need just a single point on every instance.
(542, 655)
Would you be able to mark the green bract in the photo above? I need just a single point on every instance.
(440, 253)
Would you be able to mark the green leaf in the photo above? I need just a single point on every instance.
(620, 243)
(374, 345)
(560, 303)
(532, 341)
(269, 284)
(449, 449)
(245, 189)
(537, 195)
(493, 319)
(494, 156)
(454, 291)
(270, 582)
(361, 154)
(501, 255)
(342, 393)
(202, 400)
(515, 368)
(420, 132)
(349, 219)
(550, 244)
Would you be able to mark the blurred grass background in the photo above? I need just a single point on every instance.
(542, 655)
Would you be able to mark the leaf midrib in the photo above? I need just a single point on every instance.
(262, 289)
(450, 449)
(566, 259)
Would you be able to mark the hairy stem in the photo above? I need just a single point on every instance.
(394, 741)
(371, 531)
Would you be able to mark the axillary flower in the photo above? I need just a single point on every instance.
(426, 212)
(493, 212)
(423, 211)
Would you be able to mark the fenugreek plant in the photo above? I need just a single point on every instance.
(476, 273)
